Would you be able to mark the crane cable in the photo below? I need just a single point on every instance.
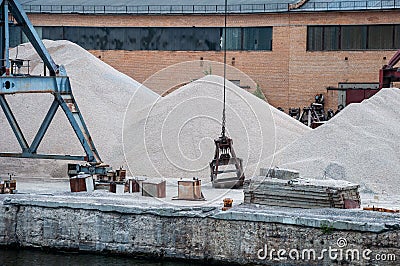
(224, 43)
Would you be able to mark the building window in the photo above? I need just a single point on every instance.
(156, 38)
(358, 37)
(380, 37)
(249, 38)
(331, 41)
(233, 38)
(353, 37)
(15, 36)
(257, 38)
(315, 38)
(396, 36)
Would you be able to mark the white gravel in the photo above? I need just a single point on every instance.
(360, 145)
(171, 137)
(174, 136)
(102, 94)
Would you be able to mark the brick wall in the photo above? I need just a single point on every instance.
(289, 75)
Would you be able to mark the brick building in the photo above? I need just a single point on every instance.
(292, 49)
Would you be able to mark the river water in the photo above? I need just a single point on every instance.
(16, 257)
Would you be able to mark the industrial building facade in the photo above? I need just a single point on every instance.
(292, 49)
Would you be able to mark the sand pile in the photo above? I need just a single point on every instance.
(360, 145)
(102, 94)
(174, 136)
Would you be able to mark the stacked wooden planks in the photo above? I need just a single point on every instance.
(301, 193)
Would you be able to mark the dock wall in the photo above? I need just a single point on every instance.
(196, 233)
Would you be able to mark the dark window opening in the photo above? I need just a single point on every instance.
(155, 38)
(358, 37)
(353, 37)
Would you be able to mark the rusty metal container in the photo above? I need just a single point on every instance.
(190, 190)
(13, 184)
(113, 187)
(133, 185)
(227, 204)
(77, 184)
(157, 190)
(127, 186)
(121, 175)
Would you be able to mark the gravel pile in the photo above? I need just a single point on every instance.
(102, 94)
(360, 145)
(174, 136)
(168, 136)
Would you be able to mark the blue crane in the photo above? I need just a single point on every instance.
(56, 83)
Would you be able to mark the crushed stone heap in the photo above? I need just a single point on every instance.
(102, 94)
(361, 145)
(173, 137)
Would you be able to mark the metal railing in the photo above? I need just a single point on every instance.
(157, 9)
(213, 9)
(350, 5)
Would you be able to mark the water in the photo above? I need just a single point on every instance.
(20, 257)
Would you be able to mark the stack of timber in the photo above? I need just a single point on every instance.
(301, 193)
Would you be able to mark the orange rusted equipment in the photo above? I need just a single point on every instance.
(227, 204)
(8, 187)
(190, 190)
(388, 73)
(376, 209)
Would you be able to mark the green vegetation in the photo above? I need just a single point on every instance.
(258, 92)
(208, 72)
(326, 228)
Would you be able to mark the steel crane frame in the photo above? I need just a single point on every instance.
(58, 84)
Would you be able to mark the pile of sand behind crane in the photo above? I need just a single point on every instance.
(173, 137)
(168, 136)
(102, 94)
(360, 144)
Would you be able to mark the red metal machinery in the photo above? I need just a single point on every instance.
(388, 73)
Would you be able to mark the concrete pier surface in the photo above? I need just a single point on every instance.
(46, 215)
